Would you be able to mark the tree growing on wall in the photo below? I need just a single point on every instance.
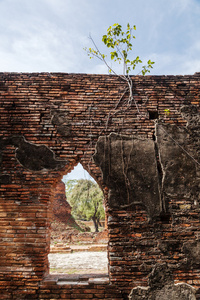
(86, 199)
(120, 43)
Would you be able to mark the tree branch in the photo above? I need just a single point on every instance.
(103, 59)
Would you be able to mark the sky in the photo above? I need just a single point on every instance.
(77, 173)
(49, 35)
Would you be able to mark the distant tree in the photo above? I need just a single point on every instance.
(69, 185)
(86, 199)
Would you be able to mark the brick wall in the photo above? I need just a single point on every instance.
(61, 209)
(49, 123)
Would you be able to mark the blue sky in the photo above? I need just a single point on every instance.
(49, 35)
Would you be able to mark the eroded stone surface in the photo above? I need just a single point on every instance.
(192, 252)
(192, 115)
(129, 169)
(179, 170)
(161, 286)
(60, 119)
(33, 157)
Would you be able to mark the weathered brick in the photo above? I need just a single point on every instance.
(28, 102)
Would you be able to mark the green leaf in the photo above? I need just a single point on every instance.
(167, 111)
(120, 42)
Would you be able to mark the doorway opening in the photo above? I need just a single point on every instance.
(79, 236)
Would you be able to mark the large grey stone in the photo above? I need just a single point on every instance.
(179, 169)
(129, 170)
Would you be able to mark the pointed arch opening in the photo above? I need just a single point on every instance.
(79, 236)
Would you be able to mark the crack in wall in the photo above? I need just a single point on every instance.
(160, 172)
(147, 172)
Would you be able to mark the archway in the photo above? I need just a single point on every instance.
(76, 247)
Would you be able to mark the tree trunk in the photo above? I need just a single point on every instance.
(94, 219)
(99, 223)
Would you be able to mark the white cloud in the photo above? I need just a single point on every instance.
(49, 35)
(176, 64)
